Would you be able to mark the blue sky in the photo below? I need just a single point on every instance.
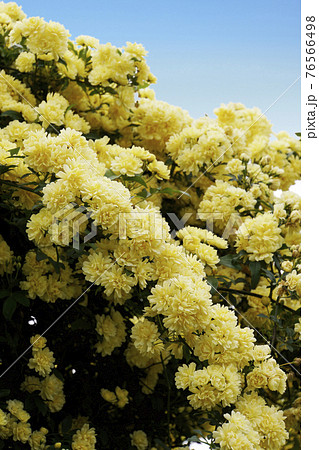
(202, 52)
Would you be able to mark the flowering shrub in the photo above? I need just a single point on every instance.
(150, 271)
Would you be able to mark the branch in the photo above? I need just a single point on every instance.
(238, 291)
(17, 186)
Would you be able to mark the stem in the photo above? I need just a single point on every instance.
(274, 334)
(237, 291)
(168, 406)
(17, 186)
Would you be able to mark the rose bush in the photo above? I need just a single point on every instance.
(150, 268)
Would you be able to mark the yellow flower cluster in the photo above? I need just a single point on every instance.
(42, 38)
(50, 389)
(198, 234)
(249, 121)
(139, 440)
(12, 11)
(111, 65)
(42, 360)
(216, 384)
(157, 121)
(129, 161)
(146, 337)
(297, 328)
(224, 341)
(15, 422)
(84, 439)
(184, 303)
(285, 153)
(287, 209)
(252, 425)
(192, 240)
(221, 201)
(6, 257)
(55, 110)
(260, 237)
(112, 329)
(118, 398)
(202, 144)
(25, 62)
(293, 417)
(43, 281)
(16, 96)
(267, 374)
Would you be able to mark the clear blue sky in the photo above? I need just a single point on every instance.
(203, 52)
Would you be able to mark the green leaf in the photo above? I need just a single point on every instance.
(169, 161)
(58, 374)
(4, 392)
(21, 298)
(239, 280)
(14, 151)
(143, 193)
(42, 407)
(136, 178)
(57, 265)
(290, 332)
(269, 275)
(66, 424)
(143, 86)
(298, 134)
(61, 61)
(274, 319)
(110, 90)
(213, 282)
(14, 115)
(232, 298)
(5, 168)
(255, 269)
(9, 306)
(263, 315)
(194, 439)
(186, 354)
(4, 293)
(277, 262)
(110, 174)
(157, 403)
(71, 47)
(172, 191)
(40, 256)
(230, 261)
